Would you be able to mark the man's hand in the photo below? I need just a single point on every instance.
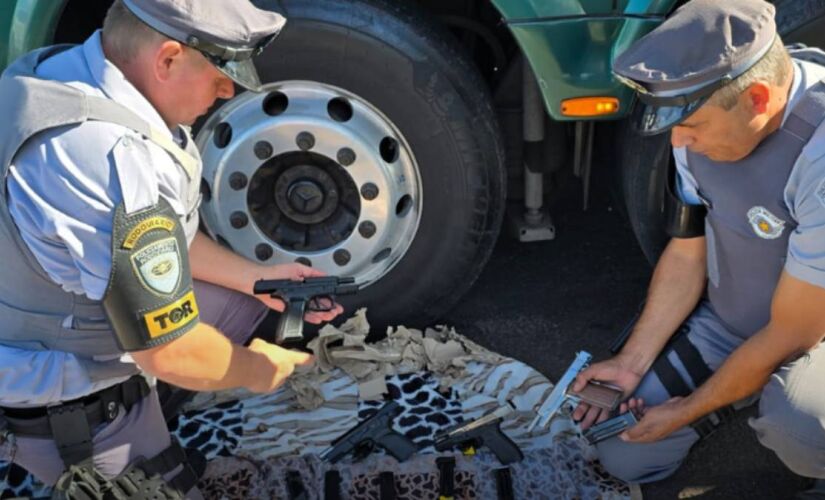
(278, 364)
(657, 423)
(237, 273)
(614, 371)
(296, 272)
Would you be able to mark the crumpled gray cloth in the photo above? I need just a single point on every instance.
(404, 350)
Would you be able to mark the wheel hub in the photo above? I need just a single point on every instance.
(311, 173)
(305, 197)
(306, 194)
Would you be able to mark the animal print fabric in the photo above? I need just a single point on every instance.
(252, 440)
(425, 409)
(538, 476)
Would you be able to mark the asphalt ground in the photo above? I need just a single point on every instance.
(542, 302)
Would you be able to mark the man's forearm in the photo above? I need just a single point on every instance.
(797, 326)
(746, 371)
(676, 287)
(201, 360)
(215, 264)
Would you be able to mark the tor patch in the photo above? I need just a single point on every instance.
(149, 300)
(157, 265)
(169, 318)
(765, 224)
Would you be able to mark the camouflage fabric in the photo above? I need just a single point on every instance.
(251, 441)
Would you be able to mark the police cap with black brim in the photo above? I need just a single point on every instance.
(703, 46)
(229, 33)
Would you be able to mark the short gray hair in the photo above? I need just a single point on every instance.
(772, 68)
(125, 34)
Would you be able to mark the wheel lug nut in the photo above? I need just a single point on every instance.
(238, 220)
(369, 191)
(237, 181)
(263, 251)
(367, 229)
(341, 257)
(263, 150)
(346, 157)
(305, 141)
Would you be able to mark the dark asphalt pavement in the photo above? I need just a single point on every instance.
(541, 302)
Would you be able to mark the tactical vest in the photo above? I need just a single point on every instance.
(34, 315)
(748, 222)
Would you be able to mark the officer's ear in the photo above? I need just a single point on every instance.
(168, 59)
(757, 97)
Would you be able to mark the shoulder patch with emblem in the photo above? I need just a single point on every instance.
(765, 224)
(149, 300)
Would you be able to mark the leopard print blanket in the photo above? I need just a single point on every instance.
(254, 442)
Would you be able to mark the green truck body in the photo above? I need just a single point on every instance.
(570, 43)
(452, 140)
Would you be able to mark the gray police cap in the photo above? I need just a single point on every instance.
(228, 32)
(701, 48)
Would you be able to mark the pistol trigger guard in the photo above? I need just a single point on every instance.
(362, 451)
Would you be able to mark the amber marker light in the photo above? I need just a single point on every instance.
(590, 106)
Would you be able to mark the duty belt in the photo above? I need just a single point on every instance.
(70, 423)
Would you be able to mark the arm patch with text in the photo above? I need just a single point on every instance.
(149, 300)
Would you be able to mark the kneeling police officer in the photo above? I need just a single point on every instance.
(105, 274)
(734, 310)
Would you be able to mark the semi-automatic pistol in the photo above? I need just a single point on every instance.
(595, 393)
(483, 431)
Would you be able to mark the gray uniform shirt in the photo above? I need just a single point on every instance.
(62, 190)
(804, 192)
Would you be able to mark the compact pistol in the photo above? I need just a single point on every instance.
(483, 431)
(376, 430)
(296, 295)
(595, 393)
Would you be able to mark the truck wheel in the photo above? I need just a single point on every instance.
(374, 153)
(644, 161)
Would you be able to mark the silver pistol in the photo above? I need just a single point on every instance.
(595, 393)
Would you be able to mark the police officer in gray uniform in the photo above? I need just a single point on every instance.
(104, 272)
(735, 306)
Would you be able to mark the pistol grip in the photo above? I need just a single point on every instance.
(398, 446)
(291, 324)
(505, 449)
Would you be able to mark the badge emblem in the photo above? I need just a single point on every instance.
(765, 224)
(158, 266)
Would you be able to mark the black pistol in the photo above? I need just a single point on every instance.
(483, 431)
(376, 430)
(295, 295)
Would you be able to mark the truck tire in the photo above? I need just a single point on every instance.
(644, 161)
(374, 153)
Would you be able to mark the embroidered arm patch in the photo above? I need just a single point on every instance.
(149, 298)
